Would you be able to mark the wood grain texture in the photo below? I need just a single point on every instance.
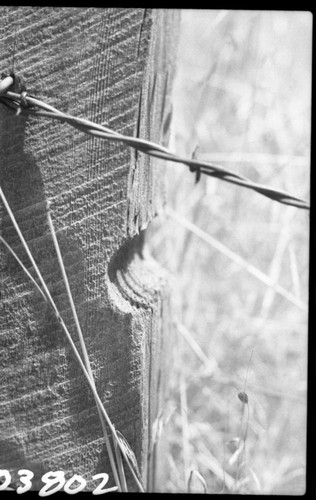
(111, 66)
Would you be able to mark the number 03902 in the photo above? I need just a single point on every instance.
(55, 481)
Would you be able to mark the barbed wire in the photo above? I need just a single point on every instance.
(27, 105)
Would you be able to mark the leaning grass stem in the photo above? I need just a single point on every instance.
(296, 280)
(196, 476)
(243, 439)
(211, 365)
(277, 263)
(83, 348)
(236, 258)
(72, 305)
(120, 466)
(213, 464)
(61, 322)
(243, 435)
(184, 427)
(49, 299)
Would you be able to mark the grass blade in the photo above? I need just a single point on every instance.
(61, 322)
(236, 258)
(82, 343)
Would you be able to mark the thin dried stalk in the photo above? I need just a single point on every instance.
(50, 300)
(83, 348)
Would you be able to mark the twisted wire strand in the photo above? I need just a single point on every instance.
(27, 105)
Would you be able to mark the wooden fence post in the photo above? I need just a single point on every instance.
(111, 66)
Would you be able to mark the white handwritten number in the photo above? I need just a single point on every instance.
(50, 478)
(53, 482)
(73, 491)
(98, 490)
(7, 475)
(25, 478)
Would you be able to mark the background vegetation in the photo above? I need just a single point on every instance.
(242, 96)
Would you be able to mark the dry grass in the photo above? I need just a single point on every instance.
(242, 95)
(122, 448)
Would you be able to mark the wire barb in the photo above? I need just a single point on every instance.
(25, 104)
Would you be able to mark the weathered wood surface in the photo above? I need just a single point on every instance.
(113, 66)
